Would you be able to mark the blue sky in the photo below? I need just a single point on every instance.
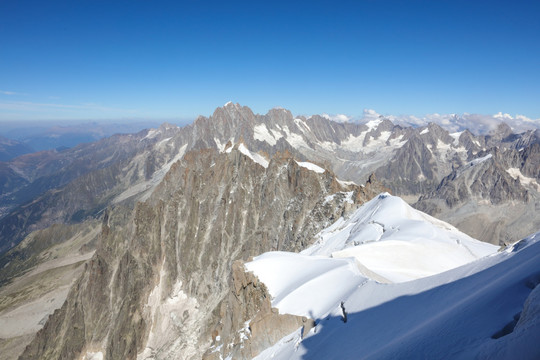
(175, 60)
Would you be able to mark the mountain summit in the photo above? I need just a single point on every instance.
(154, 230)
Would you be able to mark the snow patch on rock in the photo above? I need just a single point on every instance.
(259, 159)
(262, 133)
(296, 140)
(311, 166)
(515, 173)
(93, 355)
(157, 176)
(152, 133)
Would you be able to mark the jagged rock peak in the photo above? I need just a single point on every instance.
(234, 110)
(231, 104)
(161, 273)
(385, 124)
(167, 126)
(280, 112)
(231, 110)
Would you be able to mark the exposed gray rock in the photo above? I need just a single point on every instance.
(69, 186)
(493, 198)
(247, 320)
(412, 170)
(209, 210)
(177, 213)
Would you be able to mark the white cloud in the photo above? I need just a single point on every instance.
(476, 123)
(503, 117)
(369, 114)
(524, 119)
(4, 92)
(480, 123)
(337, 117)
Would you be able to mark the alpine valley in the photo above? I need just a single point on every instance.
(273, 236)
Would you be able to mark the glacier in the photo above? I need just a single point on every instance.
(450, 296)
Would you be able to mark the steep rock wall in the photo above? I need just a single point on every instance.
(155, 286)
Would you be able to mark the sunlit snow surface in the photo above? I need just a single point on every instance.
(299, 284)
(311, 166)
(259, 159)
(397, 242)
(385, 240)
(450, 314)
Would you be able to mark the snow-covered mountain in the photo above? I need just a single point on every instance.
(37, 190)
(397, 243)
(487, 309)
(182, 209)
(385, 240)
(384, 254)
(391, 282)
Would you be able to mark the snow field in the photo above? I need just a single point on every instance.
(306, 285)
(385, 240)
(457, 314)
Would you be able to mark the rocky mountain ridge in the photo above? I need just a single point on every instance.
(169, 262)
(221, 173)
(38, 189)
(499, 190)
(10, 149)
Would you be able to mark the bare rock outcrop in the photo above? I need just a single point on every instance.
(156, 285)
(248, 324)
(494, 197)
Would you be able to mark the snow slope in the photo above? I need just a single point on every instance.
(312, 167)
(398, 243)
(385, 240)
(259, 159)
(477, 302)
(297, 282)
(464, 313)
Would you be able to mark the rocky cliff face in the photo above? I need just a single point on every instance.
(494, 198)
(180, 204)
(69, 186)
(413, 169)
(247, 322)
(484, 179)
(159, 279)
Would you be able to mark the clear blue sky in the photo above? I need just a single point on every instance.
(85, 59)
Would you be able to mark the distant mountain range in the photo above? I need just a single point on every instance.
(168, 217)
(24, 138)
(10, 149)
(411, 162)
